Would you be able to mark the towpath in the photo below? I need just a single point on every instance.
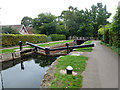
(102, 68)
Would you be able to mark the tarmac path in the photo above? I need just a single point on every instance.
(102, 68)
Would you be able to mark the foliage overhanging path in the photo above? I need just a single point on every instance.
(102, 68)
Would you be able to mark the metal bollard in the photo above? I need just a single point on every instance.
(69, 70)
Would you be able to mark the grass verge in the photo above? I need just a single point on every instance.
(8, 50)
(42, 45)
(69, 81)
(50, 44)
(117, 50)
(88, 49)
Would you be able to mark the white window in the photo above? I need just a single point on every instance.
(22, 30)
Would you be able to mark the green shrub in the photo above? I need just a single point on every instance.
(49, 39)
(110, 33)
(13, 39)
(57, 37)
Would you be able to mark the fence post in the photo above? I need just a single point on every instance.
(20, 42)
(47, 51)
(71, 49)
(13, 56)
(74, 42)
(67, 47)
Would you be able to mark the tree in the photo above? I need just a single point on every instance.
(27, 21)
(70, 18)
(85, 26)
(60, 28)
(45, 24)
(86, 22)
(116, 28)
(99, 17)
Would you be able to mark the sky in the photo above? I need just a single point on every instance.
(12, 11)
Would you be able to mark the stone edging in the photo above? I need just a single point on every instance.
(16, 55)
(49, 75)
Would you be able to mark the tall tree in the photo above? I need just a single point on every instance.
(85, 26)
(45, 24)
(70, 19)
(99, 15)
(60, 28)
(85, 22)
(27, 21)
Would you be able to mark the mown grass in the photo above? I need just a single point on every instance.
(88, 49)
(8, 50)
(42, 45)
(117, 50)
(50, 44)
(69, 81)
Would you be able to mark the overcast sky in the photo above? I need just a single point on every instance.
(12, 11)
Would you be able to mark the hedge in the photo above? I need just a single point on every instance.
(57, 37)
(110, 33)
(13, 39)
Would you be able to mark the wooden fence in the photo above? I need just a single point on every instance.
(81, 38)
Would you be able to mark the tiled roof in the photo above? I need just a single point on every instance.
(29, 29)
(18, 28)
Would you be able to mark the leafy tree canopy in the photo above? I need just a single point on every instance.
(45, 23)
(27, 21)
(71, 22)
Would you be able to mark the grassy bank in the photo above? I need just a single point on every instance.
(8, 50)
(88, 49)
(117, 50)
(69, 81)
(42, 45)
(50, 44)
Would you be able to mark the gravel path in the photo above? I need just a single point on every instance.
(102, 68)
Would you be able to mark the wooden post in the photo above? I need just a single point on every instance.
(36, 49)
(71, 49)
(13, 56)
(20, 42)
(47, 51)
(74, 42)
(67, 47)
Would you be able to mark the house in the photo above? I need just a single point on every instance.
(119, 4)
(21, 29)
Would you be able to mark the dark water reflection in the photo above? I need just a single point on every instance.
(25, 73)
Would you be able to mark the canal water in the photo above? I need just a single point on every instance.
(27, 72)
